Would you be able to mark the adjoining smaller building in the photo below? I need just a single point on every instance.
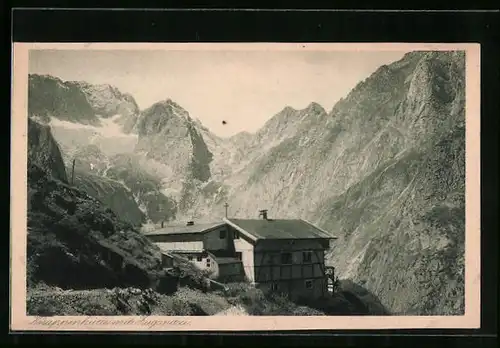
(206, 245)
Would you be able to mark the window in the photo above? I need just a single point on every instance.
(269, 259)
(190, 258)
(286, 258)
(274, 287)
(236, 235)
(208, 262)
(222, 234)
(306, 256)
(309, 284)
(199, 258)
(238, 255)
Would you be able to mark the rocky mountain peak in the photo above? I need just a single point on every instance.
(49, 97)
(163, 116)
(288, 122)
(315, 108)
(108, 100)
(287, 110)
(80, 102)
(171, 137)
(170, 102)
(169, 107)
(46, 77)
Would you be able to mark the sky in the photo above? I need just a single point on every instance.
(243, 88)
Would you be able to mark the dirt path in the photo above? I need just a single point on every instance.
(234, 310)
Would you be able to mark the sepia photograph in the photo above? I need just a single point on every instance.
(249, 180)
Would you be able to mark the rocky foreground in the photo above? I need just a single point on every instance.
(236, 300)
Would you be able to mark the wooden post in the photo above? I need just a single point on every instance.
(73, 172)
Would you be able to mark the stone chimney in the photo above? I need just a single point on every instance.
(263, 214)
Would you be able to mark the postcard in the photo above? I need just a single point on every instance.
(245, 186)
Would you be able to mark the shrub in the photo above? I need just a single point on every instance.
(44, 307)
(236, 289)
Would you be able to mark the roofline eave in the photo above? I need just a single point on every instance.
(328, 235)
(184, 233)
(245, 232)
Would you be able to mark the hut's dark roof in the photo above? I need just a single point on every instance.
(281, 229)
(184, 229)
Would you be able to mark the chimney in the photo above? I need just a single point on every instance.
(263, 213)
(190, 223)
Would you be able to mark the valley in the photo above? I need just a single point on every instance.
(384, 171)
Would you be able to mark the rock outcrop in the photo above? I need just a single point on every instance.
(44, 151)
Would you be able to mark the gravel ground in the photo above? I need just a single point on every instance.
(126, 301)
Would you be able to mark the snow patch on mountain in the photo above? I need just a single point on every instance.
(109, 136)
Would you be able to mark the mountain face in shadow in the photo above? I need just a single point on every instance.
(74, 241)
(49, 96)
(384, 171)
(79, 102)
(43, 150)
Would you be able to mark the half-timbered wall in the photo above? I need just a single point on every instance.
(288, 264)
(297, 288)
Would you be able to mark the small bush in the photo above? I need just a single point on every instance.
(180, 307)
(236, 289)
(252, 296)
(43, 307)
(90, 308)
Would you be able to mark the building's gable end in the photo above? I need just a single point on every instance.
(213, 228)
(247, 234)
(217, 238)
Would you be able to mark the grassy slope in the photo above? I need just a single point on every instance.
(89, 244)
